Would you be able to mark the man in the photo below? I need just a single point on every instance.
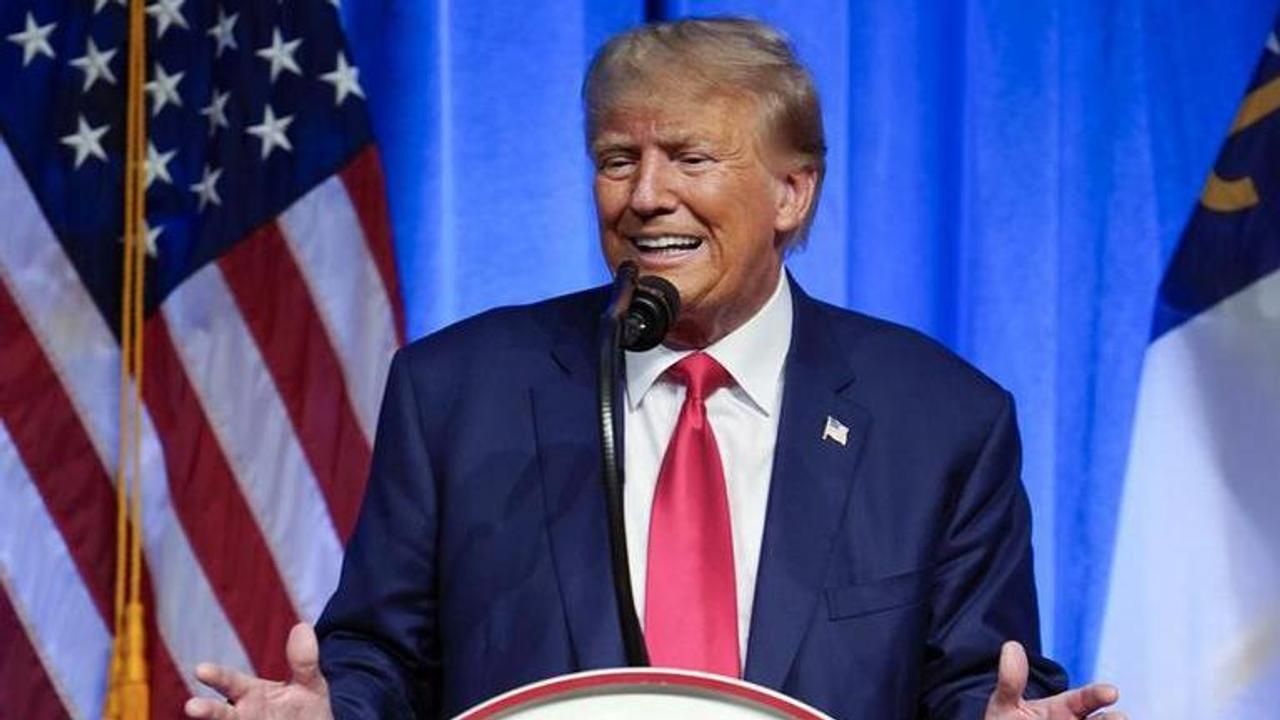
(817, 501)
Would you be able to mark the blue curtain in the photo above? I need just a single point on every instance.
(1007, 176)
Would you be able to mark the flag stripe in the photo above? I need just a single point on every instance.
(348, 291)
(245, 413)
(42, 278)
(170, 685)
(1195, 605)
(25, 688)
(222, 531)
(72, 485)
(45, 431)
(280, 313)
(46, 593)
(364, 182)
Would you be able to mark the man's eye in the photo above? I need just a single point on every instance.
(695, 161)
(615, 166)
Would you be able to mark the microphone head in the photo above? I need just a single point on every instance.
(653, 310)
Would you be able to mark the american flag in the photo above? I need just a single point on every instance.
(272, 310)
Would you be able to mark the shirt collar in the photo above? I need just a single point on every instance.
(753, 353)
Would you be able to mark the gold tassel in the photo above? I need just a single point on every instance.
(135, 693)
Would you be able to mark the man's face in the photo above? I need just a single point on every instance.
(684, 189)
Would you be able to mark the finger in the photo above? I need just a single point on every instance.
(1109, 715)
(1089, 698)
(303, 653)
(208, 709)
(1011, 680)
(233, 684)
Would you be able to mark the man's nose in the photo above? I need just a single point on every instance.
(653, 192)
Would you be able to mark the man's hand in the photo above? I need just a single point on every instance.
(305, 696)
(1007, 703)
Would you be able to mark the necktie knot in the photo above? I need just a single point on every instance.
(700, 374)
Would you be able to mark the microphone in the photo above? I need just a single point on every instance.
(640, 311)
(654, 307)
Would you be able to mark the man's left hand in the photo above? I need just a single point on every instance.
(1007, 702)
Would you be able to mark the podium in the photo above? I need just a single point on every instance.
(635, 693)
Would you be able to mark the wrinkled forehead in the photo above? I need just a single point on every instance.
(671, 106)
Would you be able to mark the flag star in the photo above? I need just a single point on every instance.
(216, 111)
(345, 79)
(34, 39)
(222, 31)
(164, 89)
(271, 131)
(86, 141)
(167, 13)
(95, 64)
(99, 4)
(280, 54)
(207, 188)
(158, 165)
(149, 237)
(1273, 44)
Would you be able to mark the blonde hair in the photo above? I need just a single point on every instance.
(727, 55)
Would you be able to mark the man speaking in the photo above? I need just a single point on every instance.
(817, 501)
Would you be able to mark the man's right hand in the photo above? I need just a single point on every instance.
(306, 695)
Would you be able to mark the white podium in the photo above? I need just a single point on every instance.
(642, 693)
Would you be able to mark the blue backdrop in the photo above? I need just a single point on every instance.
(1008, 176)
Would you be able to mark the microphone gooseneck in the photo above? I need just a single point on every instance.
(640, 311)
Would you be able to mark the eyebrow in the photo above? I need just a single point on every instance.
(609, 143)
(669, 140)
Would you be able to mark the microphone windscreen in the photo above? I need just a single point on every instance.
(653, 310)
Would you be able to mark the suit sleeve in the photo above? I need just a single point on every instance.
(984, 586)
(379, 645)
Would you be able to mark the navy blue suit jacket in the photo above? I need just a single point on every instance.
(892, 566)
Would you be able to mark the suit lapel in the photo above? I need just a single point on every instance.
(812, 476)
(565, 415)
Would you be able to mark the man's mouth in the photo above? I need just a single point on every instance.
(666, 244)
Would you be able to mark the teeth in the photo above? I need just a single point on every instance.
(667, 242)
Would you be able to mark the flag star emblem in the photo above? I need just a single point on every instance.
(99, 4)
(216, 111)
(280, 54)
(271, 131)
(345, 79)
(1273, 44)
(158, 165)
(222, 32)
(86, 141)
(207, 189)
(167, 13)
(164, 89)
(34, 39)
(96, 64)
(149, 237)
(835, 431)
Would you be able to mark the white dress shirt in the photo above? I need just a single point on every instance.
(744, 418)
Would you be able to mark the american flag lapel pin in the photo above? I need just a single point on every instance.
(835, 431)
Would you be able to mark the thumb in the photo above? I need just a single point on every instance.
(303, 654)
(1011, 682)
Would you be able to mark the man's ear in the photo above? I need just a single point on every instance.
(796, 190)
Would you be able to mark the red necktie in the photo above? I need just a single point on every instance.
(691, 604)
